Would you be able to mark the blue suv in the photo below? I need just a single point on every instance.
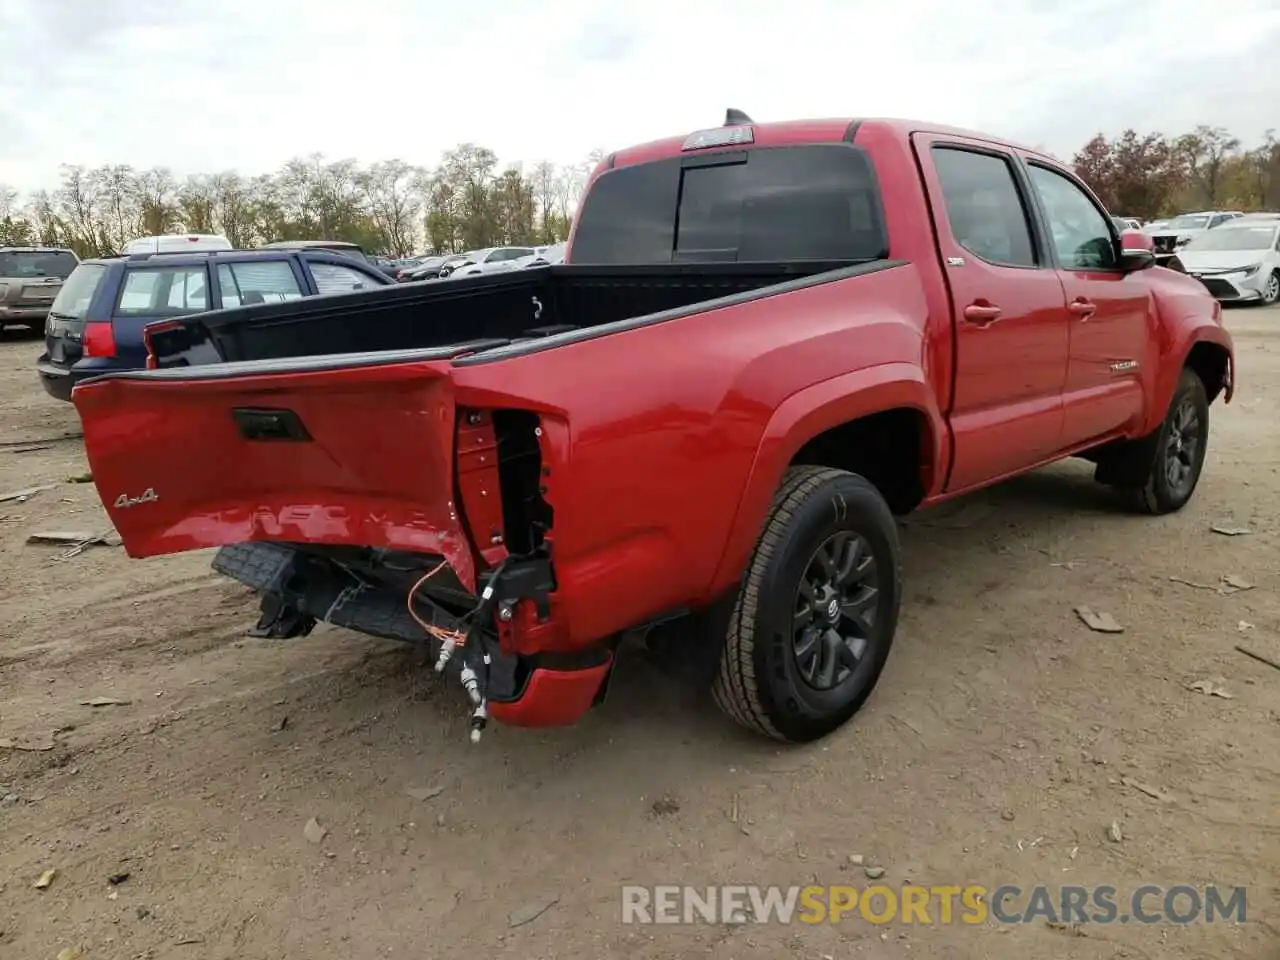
(96, 321)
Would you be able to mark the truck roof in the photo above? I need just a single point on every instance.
(794, 132)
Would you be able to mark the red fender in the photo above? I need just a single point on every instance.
(812, 411)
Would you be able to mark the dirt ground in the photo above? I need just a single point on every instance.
(998, 747)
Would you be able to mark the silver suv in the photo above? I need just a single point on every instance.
(30, 277)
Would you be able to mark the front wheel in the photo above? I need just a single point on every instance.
(817, 611)
(1179, 445)
(1271, 290)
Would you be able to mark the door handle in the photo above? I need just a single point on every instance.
(982, 313)
(1083, 308)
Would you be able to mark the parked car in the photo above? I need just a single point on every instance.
(1126, 223)
(387, 265)
(177, 243)
(427, 268)
(30, 278)
(338, 246)
(1237, 261)
(96, 322)
(1180, 231)
(698, 430)
(493, 260)
(546, 256)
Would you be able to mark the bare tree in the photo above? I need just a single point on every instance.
(77, 201)
(391, 191)
(157, 205)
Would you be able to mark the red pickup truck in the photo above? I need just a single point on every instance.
(767, 340)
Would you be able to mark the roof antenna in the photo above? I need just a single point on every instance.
(735, 118)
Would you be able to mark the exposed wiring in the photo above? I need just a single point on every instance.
(452, 638)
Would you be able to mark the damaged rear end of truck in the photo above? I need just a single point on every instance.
(526, 469)
(364, 491)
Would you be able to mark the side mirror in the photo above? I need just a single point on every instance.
(1137, 251)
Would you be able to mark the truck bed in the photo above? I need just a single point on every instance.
(482, 312)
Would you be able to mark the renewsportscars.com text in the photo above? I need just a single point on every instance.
(931, 905)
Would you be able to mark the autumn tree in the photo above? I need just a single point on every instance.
(1207, 152)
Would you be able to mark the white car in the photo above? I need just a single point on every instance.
(1180, 231)
(546, 256)
(1236, 262)
(493, 260)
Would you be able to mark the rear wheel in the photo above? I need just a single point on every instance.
(816, 615)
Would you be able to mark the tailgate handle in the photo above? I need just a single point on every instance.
(266, 423)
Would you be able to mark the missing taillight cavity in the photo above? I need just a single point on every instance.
(526, 515)
(153, 338)
(500, 477)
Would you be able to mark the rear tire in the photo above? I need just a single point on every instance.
(817, 611)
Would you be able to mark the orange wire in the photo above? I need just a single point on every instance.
(440, 633)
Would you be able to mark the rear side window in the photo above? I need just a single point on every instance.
(37, 263)
(769, 204)
(163, 292)
(333, 278)
(264, 281)
(984, 208)
(72, 301)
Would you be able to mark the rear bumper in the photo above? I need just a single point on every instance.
(57, 381)
(535, 690)
(23, 316)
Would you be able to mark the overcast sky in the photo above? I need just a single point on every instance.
(206, 85)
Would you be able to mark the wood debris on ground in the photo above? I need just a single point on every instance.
(1098, 621)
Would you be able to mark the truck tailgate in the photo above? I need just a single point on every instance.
(314, 451)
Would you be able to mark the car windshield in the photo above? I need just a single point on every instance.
(37, 263)
(1235, 238)
(1187, 223)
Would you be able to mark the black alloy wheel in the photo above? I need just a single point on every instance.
(835, 610)
(1182, 453)
(817, 609)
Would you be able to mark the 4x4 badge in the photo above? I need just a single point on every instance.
(124, 500)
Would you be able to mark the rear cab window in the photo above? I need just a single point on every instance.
(166, 291)
(24, 264)
(78, 290)
(763, 205)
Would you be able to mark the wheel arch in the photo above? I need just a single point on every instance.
(882, 421)
(1212, 362)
